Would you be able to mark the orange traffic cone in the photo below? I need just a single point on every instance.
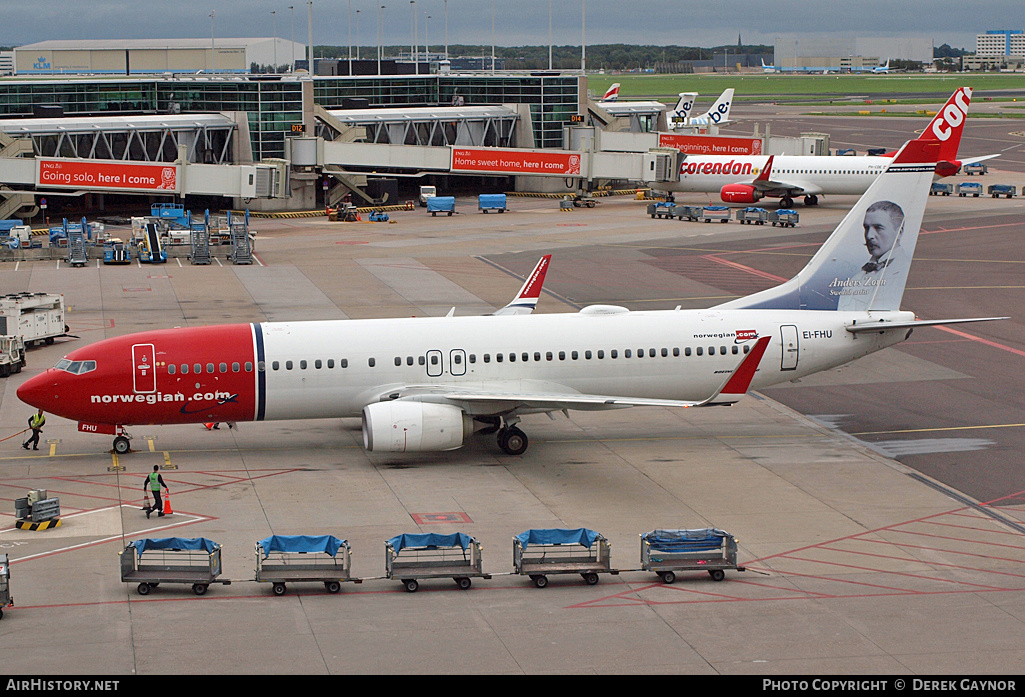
(167, 503)
(209, 426)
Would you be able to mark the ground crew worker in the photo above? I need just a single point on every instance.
(153, 483)
(35, 422)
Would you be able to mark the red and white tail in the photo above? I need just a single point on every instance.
(526, 300)
(946, 128)
(612, 94)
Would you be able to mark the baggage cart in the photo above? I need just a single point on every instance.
(667, 552)
(692, 213)
(752, 215)
(662, 209)
(541, 552)
(941, 189)
(5, 584)
(491, 202)
(282, 559)
(195, 561)
(979, 168)
(973, 189)
(998, 190)
(432, 555)
(720, 213)
(441, 204)
(784, 217)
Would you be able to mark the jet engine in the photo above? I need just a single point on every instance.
(408, 427)
(946, 168)
(739, 193)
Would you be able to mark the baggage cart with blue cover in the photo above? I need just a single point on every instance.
(973, 189)
(433, 555)
(979, 168)
(704, 549)
(784, 217)
(998, 190)
(5, 584)
(941, 189)
(491, 202)
(720, 213)
(541, 552)
(662, 209)
(282, 559)
(752, 215)
(441, 204)
(189, 560)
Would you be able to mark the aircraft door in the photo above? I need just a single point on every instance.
(143, 368)
(434, 363)
(457, 362)
(788, 335)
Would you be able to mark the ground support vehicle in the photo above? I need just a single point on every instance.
(973, 189)
(752, 215)
(199, 239)
(282, 559)
(692, 213)
(566, 204)
(979, 168)
(116, 252)
(662, 209)
(582, 200)
(378, 217)
(538, 553)
(5, 584)
(784, 217)
(432, 555)
(37, 511)
(195, 561)
(12, 355)
(998, 190)
(667, 552)
(37, 318)
(241, 240)
(720, 213)
(427, 192)
(441, 204)
(491, 202)
(173, 214)
(941, 189)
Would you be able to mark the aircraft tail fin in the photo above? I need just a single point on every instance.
(681, 112)
(720, 111)
(946, 126)
(864, 264)
(612, 94)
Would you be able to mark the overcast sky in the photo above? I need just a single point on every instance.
(516, 22)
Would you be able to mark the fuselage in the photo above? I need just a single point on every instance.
(328, 369)
(801, 174)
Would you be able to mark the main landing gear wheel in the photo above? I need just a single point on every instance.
(811, 200)
(122, 445)
(512, 440)
(786, 202)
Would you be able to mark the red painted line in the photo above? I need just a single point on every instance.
(928, 563)
(744, 268)
(905, 574)
(955, 539)
(986, 342)
(949, 551)
(989, 531)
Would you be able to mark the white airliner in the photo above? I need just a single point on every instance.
(421, 384)
(825, 70)
(749, 178)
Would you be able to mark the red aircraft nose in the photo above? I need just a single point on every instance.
(40, 391)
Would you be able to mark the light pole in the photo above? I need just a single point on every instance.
(412, 44)
(427, 42)
(549, 34)
(492, 37)
(379, 39)
(291, 12)
(583, 41)
(274, 16)
(357, 35)
(446, 29)
(213, 49)
(348, 17)
(309, 25)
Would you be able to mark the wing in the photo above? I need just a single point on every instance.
(766, 184)
(526, 300)
(538, 396)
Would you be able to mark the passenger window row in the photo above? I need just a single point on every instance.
(197, 368)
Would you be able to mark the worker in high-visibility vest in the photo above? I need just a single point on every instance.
(35, 422)
(153, 483)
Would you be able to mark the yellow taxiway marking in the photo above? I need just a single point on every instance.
(167, 461)
(115, 466)
(935, 430)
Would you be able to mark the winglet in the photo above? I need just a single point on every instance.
(739, 381)
(526, 300)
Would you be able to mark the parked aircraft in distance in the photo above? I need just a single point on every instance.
(611, 94)
(423, 384)
(742, 179)
(825, 69)
(718, 114)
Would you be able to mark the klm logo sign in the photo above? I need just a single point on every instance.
(42, 64)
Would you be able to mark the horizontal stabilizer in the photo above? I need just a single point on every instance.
(883, 325)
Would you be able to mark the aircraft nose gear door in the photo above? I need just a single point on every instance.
(788, 333)
(457, 362)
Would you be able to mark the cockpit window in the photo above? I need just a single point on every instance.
(75, 367)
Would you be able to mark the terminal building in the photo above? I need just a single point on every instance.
(998, 49)
(839, 52)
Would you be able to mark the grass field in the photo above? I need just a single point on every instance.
(759, 86)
